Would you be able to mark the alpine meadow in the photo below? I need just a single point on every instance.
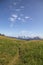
(20, 52)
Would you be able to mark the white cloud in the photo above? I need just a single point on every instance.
(23, 20)
(30, 19)
(24, 33)
(22, 7)
(27, 17)
(19, 18)
(28, 33)
(17, 9)
(14, 16)
(11, 19)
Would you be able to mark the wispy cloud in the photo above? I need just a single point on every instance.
(24, 33)
(14, 3)
(27, 17)
(20, 18)
(27, 33)
(11, 19)
(14, 16)
(23, 20)
(18, 10)
(22, 7)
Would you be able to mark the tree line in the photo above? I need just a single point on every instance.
(2, 34)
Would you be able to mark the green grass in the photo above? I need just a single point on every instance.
(20, 52)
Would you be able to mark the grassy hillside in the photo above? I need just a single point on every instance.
(20, 52)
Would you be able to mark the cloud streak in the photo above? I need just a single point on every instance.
(18, 10)
(13, 18)
(20, 18)
(27, 17)
(22, 7)
(28, 33)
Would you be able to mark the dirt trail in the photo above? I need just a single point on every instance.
(13, 61)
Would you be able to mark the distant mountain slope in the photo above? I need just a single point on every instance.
(29, 38)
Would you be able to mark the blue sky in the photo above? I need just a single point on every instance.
(21, 17)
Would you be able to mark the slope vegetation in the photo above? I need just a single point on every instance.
(20, 52)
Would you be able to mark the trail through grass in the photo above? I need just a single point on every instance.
(20, 52)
